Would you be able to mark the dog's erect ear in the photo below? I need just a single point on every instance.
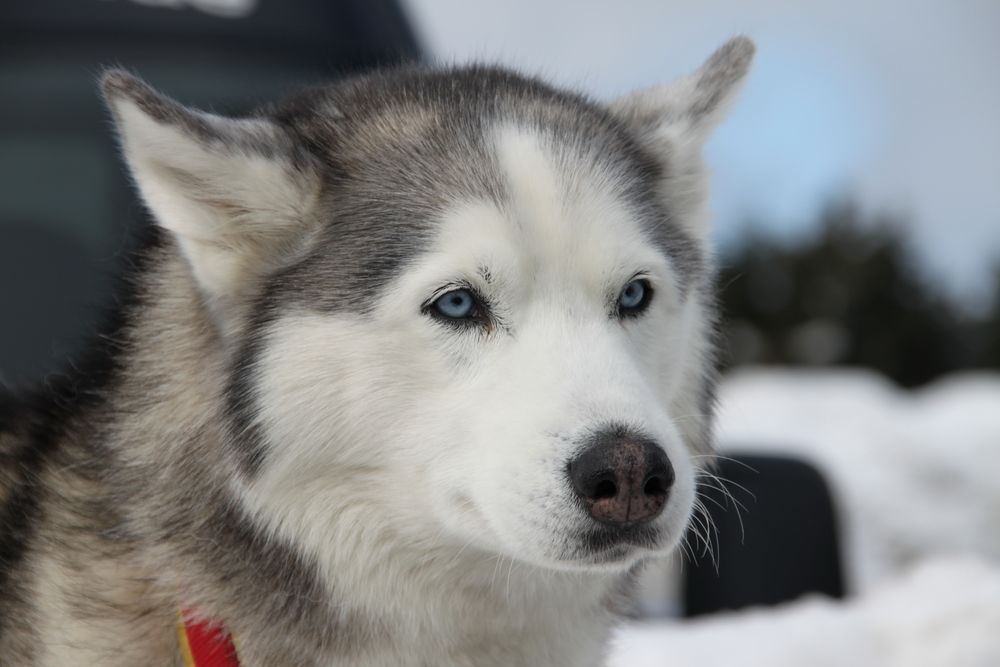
(236, 193)
(692, 106)
(674, 121)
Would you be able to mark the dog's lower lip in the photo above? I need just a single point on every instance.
(604, 540)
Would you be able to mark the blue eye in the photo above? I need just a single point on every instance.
(457, 304)
(634, 297)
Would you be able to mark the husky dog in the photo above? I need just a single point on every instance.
(416, 369)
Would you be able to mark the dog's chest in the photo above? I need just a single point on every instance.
(552, 645)
(567, 628)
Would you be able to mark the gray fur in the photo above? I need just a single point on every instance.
(404, 144)
(235, 135)
(133, 485)
(706, 93)
(116, 490)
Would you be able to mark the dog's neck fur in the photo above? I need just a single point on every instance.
(134, 488)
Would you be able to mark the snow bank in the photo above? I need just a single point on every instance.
(916, 474)
(943, 614)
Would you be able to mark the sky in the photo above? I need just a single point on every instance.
(895, 104)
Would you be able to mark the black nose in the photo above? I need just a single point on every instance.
(622, 478)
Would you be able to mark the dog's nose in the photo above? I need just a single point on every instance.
(622, 478)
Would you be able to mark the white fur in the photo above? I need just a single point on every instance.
(396, 431)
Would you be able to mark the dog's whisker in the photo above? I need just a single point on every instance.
(738, 506)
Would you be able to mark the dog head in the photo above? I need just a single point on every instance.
(461, 301)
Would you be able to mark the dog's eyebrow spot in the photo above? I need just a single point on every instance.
(487, 275)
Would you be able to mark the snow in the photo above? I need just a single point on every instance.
(915, 479)
(945, 613)
(915, 474)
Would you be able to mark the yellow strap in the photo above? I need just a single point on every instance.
(182, 639)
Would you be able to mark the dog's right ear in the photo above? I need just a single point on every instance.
(235, 192)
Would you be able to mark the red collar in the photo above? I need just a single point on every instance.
(204, 644)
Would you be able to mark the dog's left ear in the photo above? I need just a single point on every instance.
(237, 194)
(675, 120)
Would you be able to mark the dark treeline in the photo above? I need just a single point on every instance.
(848, 296)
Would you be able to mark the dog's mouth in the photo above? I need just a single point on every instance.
(606, 545)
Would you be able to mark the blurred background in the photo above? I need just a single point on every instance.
(857, 201)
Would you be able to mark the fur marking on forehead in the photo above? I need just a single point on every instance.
(572, 207)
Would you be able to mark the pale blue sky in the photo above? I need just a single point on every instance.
(896, 103)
